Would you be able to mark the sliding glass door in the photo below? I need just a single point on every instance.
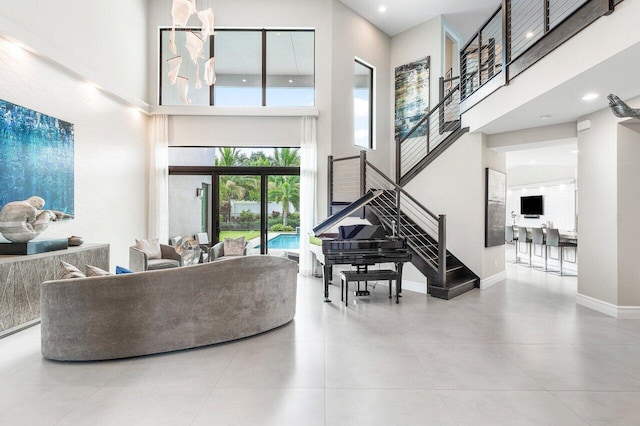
(239, 209)
(236, 192)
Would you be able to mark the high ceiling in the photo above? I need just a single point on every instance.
(466, 16)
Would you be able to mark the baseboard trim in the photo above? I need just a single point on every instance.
(493, 279)
(416, 286)
(621, 312)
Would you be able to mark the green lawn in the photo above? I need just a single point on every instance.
(248, 235)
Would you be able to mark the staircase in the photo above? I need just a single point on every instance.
(432, 135)
(387, 203)
(424, 249)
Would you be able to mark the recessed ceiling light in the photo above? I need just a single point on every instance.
(382, 9)
(590, 96)
(529, 34)
(244, 80)
(290, 81)
(545, 117)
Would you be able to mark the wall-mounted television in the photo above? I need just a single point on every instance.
(531, 205)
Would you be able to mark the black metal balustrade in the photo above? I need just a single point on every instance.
(429, 133)
(517, 35)
(383, 201)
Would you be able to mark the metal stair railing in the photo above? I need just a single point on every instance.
(425, 231)
(350, 178)
(425, 136)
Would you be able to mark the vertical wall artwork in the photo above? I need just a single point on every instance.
(495, 208)
(412, 96)
(36, 158)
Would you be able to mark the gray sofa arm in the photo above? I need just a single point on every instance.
(138, 260)
(169, 252)
(216, 251)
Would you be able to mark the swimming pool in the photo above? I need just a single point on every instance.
(284, 241)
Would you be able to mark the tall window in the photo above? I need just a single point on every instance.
(363, 105)
(238, 68)
(290, 62)
(253, 68)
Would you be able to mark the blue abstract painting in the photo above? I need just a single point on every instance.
(36, 158)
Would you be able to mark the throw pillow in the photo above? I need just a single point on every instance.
(67, 270)
(150, 247)
(120, 270)
(234, 246)
(94, 271)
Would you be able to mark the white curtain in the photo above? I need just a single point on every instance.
(308, 178)
(159, 178)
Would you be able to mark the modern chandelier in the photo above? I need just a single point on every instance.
(181, 12)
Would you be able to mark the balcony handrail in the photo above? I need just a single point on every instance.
(483, 26)
(427, 115)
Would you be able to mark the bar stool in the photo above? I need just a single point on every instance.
(523, 238)
(537, 239)
(511, 238)
(553, 240)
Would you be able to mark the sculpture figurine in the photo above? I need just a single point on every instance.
(22, 221)
(621, 109)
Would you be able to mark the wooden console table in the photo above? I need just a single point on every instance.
(22, 276)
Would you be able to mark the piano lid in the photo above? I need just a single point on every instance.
(361, 232)
(338, 217)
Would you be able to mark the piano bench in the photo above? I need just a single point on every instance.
(377, 275)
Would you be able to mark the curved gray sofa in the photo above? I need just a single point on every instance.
(120, 316)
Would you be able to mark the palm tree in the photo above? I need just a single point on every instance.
(228, 157)
(285, 190)
(286, 157)
(230, 189)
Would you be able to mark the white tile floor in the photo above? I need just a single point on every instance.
(520, 352)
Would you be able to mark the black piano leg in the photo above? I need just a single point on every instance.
(390, 289)
(328, 271)
(399, 281)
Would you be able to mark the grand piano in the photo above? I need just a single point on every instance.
(362, 246)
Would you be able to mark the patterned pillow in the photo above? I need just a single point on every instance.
(150, 247)
(67, 270)
(94, 271)
(233, 246)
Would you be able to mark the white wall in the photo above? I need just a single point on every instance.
(628, 214)
(110, 155)
(103, 41)
(422, 40)
(598, 218)
(535, 137)
(453, 184)
(353, 36)
(534, 175)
